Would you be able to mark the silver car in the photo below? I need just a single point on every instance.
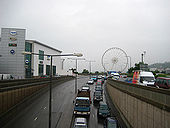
(80, 122)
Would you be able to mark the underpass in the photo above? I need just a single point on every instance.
(128, 103)
(36, 113)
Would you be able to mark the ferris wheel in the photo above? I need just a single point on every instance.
(114, 59)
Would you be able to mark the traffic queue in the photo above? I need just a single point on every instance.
(83, 104)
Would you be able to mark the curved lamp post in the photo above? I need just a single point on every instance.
(50, 87)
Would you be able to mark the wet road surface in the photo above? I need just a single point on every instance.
(35, 115)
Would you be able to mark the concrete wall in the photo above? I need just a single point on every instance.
(13, 100)
(139, 106)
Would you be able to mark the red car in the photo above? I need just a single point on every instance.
(162, 82)
(99, 82)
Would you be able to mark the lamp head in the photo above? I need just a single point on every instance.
(78, 54)
(26, 53)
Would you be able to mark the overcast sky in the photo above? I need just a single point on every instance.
(93, 26)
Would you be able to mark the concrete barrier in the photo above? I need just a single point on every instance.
(140, 106)
(13, 99)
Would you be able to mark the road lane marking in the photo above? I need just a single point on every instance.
(93, 115)
(35, 118)
(45, 108)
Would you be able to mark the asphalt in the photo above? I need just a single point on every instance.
(36, 114)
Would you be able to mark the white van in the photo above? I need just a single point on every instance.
(144, 78)
(115, 76)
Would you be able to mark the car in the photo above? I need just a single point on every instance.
(98, 96)
(44, 76)
(99, 77)
(99, 88)
(103, 110)
(144, 78)
(85, 88)
(162, 82)
(80, 122)
(99, 82)
(105, 77)
(123, 76)
(115, 76)
(90, 81)
(110, 122)
(128, 80)
(57, 76)
(94, 78)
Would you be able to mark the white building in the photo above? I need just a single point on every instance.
(12, 61)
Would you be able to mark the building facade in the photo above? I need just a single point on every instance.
(12, 61)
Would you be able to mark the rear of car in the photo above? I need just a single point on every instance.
(94, 78)
(99, 82)
(90, 81)
(162, 82)
(85, 88)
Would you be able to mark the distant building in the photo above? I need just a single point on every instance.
(153, 69)
(12, 61)
(167, 71)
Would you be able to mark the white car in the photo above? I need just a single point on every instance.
(80, 122)
(90, 81)
(85, 88)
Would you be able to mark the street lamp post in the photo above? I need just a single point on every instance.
(90, 65)
(76, 71)
(51, 70)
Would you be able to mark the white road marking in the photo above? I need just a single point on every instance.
(93, 115)
(45, 108)
(35, 118)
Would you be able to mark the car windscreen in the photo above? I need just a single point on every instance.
(146, 78)
(112, 125)
(97, 93)
(82, 102)
(103, 107)
(80, 126)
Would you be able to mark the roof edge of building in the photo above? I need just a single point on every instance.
(14, 28)
(45, 45)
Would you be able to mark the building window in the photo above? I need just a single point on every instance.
(48, 70)
(28, 59)
(41, 56)
(28, 47)
(41, 69)
(54, 70)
